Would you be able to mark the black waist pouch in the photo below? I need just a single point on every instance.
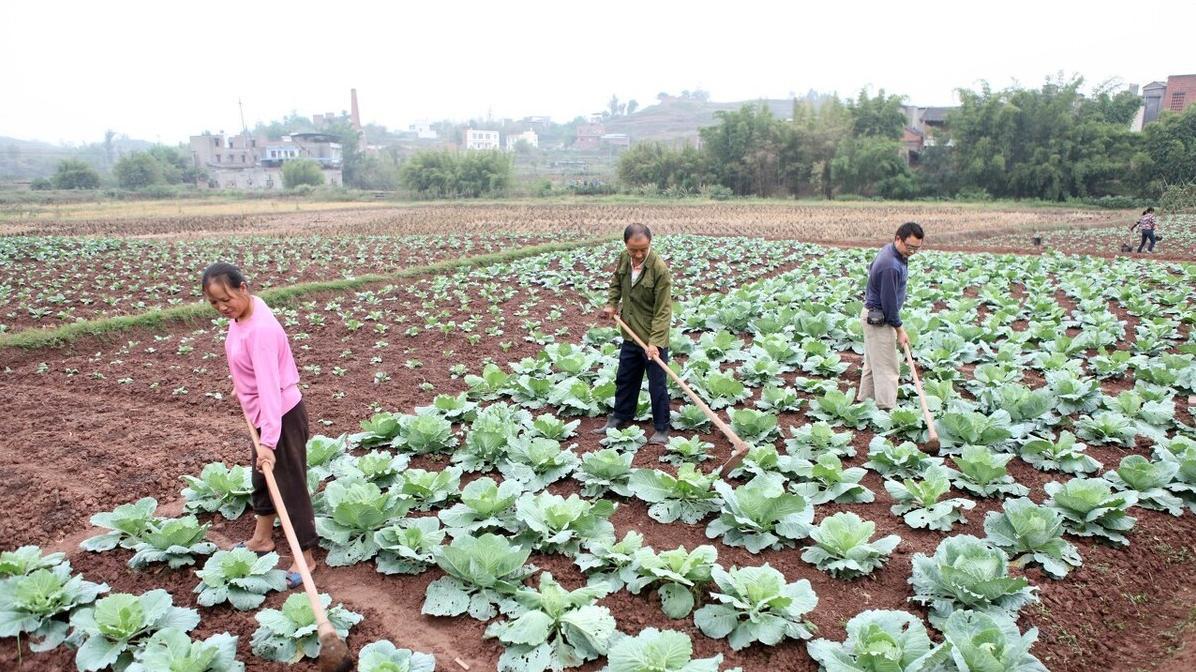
(876, 317)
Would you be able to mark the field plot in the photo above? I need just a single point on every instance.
(1062, 497)
(1176, 233)
(48, 281)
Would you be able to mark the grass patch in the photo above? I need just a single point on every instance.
(31, 339)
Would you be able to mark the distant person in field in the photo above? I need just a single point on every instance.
(267, 385)
(642, 285)
(883, 331)
(1146, 223)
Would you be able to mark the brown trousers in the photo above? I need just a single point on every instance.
(290, 472)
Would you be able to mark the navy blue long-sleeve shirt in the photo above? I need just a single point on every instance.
(886, 284)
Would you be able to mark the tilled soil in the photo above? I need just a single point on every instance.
(87, 445)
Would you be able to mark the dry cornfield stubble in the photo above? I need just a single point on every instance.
(812, 221)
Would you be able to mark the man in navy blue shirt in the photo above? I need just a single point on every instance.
(881, 316)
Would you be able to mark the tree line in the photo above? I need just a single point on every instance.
(1051, 143)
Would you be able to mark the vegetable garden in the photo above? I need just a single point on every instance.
(467, 515)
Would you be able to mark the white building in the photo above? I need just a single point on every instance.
(423, 130)
(481, 140)
(528, 136)
(246, 162)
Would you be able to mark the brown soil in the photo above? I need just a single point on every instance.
(80, 445)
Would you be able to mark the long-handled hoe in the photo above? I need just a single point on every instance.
(334, 655)
(932, 441)
(740, 447)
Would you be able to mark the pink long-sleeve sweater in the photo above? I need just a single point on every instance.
(264, 374)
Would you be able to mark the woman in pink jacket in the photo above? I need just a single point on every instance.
(267, 385)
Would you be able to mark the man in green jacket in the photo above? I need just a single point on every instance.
(642, 284)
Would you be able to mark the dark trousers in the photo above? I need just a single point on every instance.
(632, 363)
(290, 472)
(1147, 234)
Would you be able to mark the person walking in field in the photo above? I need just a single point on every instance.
(883, 331)
(266, 382)
(642, 285)
(1147, 225)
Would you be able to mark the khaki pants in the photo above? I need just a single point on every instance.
(879, 379)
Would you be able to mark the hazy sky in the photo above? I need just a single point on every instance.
(164, 70)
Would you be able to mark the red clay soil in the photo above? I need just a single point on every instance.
(75, 446)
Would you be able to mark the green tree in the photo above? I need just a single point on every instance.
(872, 166)
(297, 172)
(744, 150)
(814, 143)
(449, 174)
(172, 161)
(138, 170)
(880, 116)
(75, 174)
(1167, 153)
(660, 166)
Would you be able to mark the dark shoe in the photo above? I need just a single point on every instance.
(659, 438)
(611, 423)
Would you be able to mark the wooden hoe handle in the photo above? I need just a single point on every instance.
(934, 435)
(309, 586)
(740, 447)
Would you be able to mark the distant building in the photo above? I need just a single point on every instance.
(589, 136)
(423, 130)
(926, 120)
(255, 163)
(481, 140)
(616, 139)
(1175, 95)
(528, 136)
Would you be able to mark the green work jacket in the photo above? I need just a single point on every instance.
(647, 305)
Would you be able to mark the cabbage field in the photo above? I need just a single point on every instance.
(470, 518)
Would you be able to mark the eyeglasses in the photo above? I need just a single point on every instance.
(911, 248)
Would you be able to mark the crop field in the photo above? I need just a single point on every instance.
(1176, 239)
(467, 511)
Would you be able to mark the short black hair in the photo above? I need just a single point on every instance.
(636, 229)
(225, 273)
(1148, 211)
(909, 229)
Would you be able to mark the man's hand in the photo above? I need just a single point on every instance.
(902, 337)
(608, 312)
(653, 352)
(265, 459)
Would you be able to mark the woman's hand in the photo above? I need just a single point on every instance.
(265, 459)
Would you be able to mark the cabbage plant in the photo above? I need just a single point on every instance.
(920, 502)
(753, 426)
(877, 641)
(26, 560)
(902, 460)
(983, 473)
(355, 511)
(653, 650)
(688, 496)
(219, 488)
(288, 635)
(171, 650)
(38, 604)
(481, 574)
(1064, 454)
(125, 524)
(1149, 481)
(722, 390)
(679, 575)
(765, 460)
(960, 429)
(756, 604)
(689, 418)
(975, 641)
(240, 577)
(967, 573)
(760, 515)
(1107, 427)
(681, 449)
(840, 409)
(844, 548)
(422, 434)
(778, 399)
(384, 656)
(558, 628)
(826, 480)
(537, 462)
(409, 546)
(1031, 533)
(175, 541)
(485, 506)
(629, 438)
(427, 489)
(377, 466)
(109, 632)
(323, 455)
(549, 426)
(1090, 508)
(611, 562)
(558, 524)
(603, 471)
(811, 440)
